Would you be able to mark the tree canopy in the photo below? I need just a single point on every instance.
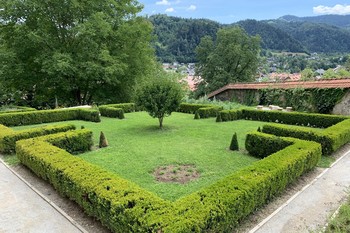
(160, 97)
(232, 57)
(77, 51)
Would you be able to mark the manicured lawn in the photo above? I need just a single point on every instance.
(137, 147)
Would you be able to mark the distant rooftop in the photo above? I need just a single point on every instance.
(325, 83)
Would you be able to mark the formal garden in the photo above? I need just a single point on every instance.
(181, 178)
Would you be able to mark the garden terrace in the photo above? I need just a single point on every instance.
(123, 206)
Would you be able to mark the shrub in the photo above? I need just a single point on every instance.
(107, 110)
(112, 112)
(261, 145)
(331, 138)
(208, 112)
(119, 204)
(124, 207)
(304, 133)
(192, 108)
(196, 116)
(293, 118)
(103, 140)
(13, 109)
(221, 206)
(231, 115)
(8, 137)
(46, 116)
(234, 142)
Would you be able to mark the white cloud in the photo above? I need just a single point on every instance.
(192, 8)
(163, 2)
(336, 10)
(169, 10)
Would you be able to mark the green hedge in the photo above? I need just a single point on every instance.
(291, 118)
(231, 115)
(127, 107)
(209, 112)
(124, 207)
(192, 108)
(331, 138)
(294, 118)
(13, 109)
(120, 205)
(8, 137)
(111, 112)
(45, 116)
(261, 145)
(221, 206)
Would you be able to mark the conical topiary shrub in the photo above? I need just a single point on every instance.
(234, 143)
(259, 129)
(218, 118)
(196, 116)
(103, 140)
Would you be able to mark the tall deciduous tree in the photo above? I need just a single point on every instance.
(76, 51)
(232, 57)
(160, 97)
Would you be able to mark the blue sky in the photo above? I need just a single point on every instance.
(229, 11)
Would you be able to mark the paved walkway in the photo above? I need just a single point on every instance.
(24, 210)
(310, 209)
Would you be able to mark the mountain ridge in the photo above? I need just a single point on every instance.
(178, 37)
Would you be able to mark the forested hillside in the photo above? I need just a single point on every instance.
(176, 38)
(272, 38)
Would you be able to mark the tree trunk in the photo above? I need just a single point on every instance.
(160, 122)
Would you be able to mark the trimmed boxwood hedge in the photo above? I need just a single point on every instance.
(18, 109)
(208, 112)
(8, 137)
(291, 118)
(112, 112)
(124, 207)
(193, 108)
(46, 116)
(331, 138)
(116, 110)
(127, 107)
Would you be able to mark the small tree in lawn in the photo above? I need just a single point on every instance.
(160, 97)
(234, 143)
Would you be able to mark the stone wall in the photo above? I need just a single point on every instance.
(343, 107)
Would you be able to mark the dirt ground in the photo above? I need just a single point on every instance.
(92, 225)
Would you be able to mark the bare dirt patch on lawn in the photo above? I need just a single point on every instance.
(176, 173)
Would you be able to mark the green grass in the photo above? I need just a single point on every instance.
(137, 147)
(341, 223)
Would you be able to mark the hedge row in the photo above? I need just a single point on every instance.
(262, 145)
(120, 205)
(331, 138)
(45, 116)
(8, 137)
(18, 109)
(192, 108)
(221, 206)
(127, 107)
(112, 112)
(124, 207)
(291, 118)
(209, 111)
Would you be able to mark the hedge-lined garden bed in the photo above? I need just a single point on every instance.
(124, 207)
(336, 134)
